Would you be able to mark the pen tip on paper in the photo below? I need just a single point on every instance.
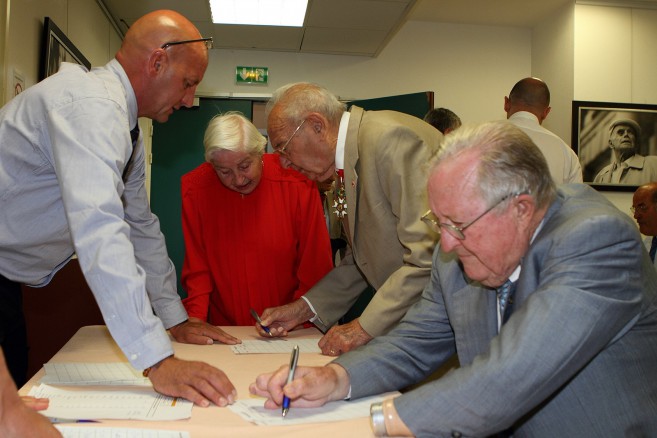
(284, 412)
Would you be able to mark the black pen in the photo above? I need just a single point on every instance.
(290, 376)
(257, 318)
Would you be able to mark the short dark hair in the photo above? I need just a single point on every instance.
(442, 119)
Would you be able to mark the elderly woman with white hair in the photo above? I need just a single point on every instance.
(255, 233)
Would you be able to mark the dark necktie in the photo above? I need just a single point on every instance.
(134, 136)
(653, 248)
(505, 299)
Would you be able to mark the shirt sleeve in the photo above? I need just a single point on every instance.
(91, 146)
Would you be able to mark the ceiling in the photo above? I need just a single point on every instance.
(350, 27)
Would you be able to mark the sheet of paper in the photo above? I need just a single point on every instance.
(253, 410)
(116, 432)
(90, 373)
(142, 404)
(258, 346)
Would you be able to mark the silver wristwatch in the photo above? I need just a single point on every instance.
(377, 420)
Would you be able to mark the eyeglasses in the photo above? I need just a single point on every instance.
(641, 208)
(281, 150)
(430, 219)
(207, 41)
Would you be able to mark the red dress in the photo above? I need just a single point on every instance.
(260, 250)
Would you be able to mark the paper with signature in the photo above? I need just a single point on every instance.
(253, 410)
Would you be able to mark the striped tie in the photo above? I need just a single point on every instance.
(504, 298)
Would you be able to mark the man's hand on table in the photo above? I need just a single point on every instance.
(197, 331)
(311, 387)
(195, 381)
(342, 338)
(283, 319)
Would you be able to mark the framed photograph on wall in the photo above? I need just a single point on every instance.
(57, 48)
(616, 143)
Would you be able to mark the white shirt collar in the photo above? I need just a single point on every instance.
(342, 139)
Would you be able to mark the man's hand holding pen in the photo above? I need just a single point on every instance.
(280, 320)
(311, 387)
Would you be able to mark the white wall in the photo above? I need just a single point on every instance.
(470, 68)
(4, 7)
(615, 61)
(81, 20)
(553, 61)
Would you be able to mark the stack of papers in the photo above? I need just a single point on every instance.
(121, 405)
(276, 345)
(114, 432)
(87, 373)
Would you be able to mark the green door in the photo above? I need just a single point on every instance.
(177, 149)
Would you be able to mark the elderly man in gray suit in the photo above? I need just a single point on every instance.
(570, 352)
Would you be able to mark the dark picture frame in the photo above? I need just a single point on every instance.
(591, 123)
(57, 48)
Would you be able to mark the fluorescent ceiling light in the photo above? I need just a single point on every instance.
(259, 12)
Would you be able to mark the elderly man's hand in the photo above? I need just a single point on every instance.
(197, 331)
(283, 319)
(342, 338)
(197, 382)
(311, 387)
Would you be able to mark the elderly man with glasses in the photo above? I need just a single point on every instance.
(72, 177)
(379, 161)
(545, 295)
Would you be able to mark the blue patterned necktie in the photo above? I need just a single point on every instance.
(504, 298)
(653, 248)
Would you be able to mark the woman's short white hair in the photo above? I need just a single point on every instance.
(232, 131)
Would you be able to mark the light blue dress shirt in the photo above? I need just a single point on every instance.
(65, 144)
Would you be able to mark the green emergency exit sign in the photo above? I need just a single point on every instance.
(251, 75)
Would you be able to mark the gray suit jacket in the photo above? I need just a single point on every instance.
(577, 357)
(386, 155)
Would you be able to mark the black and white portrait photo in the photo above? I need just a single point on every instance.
(616, 142)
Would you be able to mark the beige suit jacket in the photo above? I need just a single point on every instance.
(386, 156)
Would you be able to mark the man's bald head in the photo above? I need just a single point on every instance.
(531, 95)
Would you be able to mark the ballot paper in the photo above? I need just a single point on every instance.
(116, 432)
(265, 345)
(91, 373)
(253, 410)
(141, 404)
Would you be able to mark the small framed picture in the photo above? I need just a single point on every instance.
(57, 48)
(616, 143)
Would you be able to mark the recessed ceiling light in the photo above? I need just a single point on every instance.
(259, 12)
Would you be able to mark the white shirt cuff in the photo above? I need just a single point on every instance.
(315, 316)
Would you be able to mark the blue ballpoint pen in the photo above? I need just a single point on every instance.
(257, 318)
(290, 375)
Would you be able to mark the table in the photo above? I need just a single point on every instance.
(94, 344)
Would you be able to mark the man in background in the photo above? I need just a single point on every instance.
(527, 106)
(443, 120)
(379, 158)
(627, 165)
(644, 208)
(72, 178)
(544, 293)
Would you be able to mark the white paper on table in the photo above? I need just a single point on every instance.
(265, 345)
(114, 432)
(90, 373)
(253, 410)
(141, 404)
